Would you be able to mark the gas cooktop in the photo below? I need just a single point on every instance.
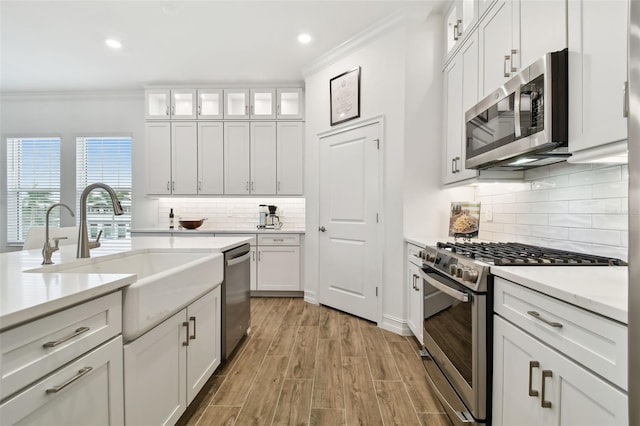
(517, 254)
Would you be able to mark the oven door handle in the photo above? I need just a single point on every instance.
(458, 295)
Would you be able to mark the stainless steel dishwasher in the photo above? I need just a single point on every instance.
(236, 308)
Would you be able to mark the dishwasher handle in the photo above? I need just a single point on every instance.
(240, 259)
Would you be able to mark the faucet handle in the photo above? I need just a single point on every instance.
(96, 243)
(56, 241)
(99, 235)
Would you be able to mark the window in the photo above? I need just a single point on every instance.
(33, 184)
(106, 160)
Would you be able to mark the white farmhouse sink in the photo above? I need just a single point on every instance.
(166, 282)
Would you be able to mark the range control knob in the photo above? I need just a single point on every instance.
(453, 270)
(470, 275)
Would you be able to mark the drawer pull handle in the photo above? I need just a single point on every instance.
(82, 372)
(186, 342)
(532, 365)
(545, 374)
(536, 315)
(78, 332)
(278, 239)
(194, 328)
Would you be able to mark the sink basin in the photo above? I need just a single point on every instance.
(166, 282)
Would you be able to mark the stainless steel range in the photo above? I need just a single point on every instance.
(458, 321)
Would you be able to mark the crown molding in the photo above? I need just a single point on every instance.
(73, 95)
(380, 28)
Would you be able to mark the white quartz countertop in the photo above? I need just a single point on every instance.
(25, 296)
(423, 240)
(205, 231)
(599, 289)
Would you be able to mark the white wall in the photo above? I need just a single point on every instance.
(401, 81)
(69, 115)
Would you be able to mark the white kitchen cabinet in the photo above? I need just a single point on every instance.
(290, 103)
(158, 148)
(184, 158)
(210, 158)
(514, 34)
(263, 104)
(165, 104)
(183, 104)
(415, 292)
(290, 138)
(158, 104)
(87, 391)
(278, 262)
(167, 366)
(210, 104)
(459, 19)
(237, 154)
(461, 93)
(598, 70)
(236, 104)
(534, 384)
(263, 158)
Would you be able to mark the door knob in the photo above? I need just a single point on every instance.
(322, 229)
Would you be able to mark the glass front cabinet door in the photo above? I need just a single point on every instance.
(158, 104)
(236, 104)
(210, 104)
(290, 103)
(263, 103)
(183, 104)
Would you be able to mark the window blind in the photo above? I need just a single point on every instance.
(106, 160)
(33, 184)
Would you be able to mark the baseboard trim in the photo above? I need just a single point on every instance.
(310, 297)
(395, 325)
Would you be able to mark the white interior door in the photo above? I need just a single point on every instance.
(350, 263)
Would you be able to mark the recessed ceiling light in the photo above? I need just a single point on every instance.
(304, 38)
(113, 43)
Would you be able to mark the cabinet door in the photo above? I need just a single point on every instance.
(155, 368)
(290, 103)
(236, 104)
(453, 118)
(495, 32)
(210, 104)
(236, 158)
(263, 158)
(279, 268)
(263, 103)
(452, 27)
(95, 397)
(184, 158)
(289, 158)
(598, 64)
(210, 158)
(469, 57)
(535, 41)
(158, 147)
(158, 104)
(183, 104)
(203, 352)
(415, 292)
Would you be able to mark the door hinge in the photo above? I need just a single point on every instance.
(377, 143)
(376, 291)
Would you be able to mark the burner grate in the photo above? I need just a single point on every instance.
(517, 254)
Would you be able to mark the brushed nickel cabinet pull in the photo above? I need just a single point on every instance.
(186, 342)
(194, 328)
(173, 185)
(199, 185)
(504, 65)
(199, 109)
(246, 186)
(545, 374)
(536, 315)
(246, 110)
(82, 372)
(513, 52)
(453, 165)
(625, 99)
(455, 32)
(532, 365)
(76, 333)
(173, 110)
(458, 28)
(168, 187)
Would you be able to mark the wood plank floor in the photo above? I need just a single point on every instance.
(304, 364)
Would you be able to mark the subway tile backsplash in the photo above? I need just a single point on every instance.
(231, 213)
(577, 207)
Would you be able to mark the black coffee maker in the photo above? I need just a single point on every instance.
(273, 220)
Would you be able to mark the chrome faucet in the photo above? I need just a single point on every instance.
(84, 245)
(48, 250)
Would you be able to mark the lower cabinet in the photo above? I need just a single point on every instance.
(278, 264)
(87, 391)
(534, 385)
(166, 367)
(415, 292)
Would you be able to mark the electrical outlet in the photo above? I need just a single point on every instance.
(486, 213)
(229, 211)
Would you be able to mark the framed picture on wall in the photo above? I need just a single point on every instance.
(344, 90)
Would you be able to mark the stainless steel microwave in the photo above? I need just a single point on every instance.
(524, 123)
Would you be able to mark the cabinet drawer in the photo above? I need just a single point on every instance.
(252, 236)
(413, 254)
(89, 392)
(279, 240)
(598, 343)
(35, 349)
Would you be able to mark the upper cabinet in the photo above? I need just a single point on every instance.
(236, 104)
(290, 103)
(514, 34)
(210, 104)
(171, 104)
(598, 64)
(263, 104)
(459, 19)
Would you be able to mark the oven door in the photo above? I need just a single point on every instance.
(455, 337)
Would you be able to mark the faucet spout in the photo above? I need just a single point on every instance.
(47, 250)
(83, 238)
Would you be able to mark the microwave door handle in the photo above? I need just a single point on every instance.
(516, 113)
(458, 295)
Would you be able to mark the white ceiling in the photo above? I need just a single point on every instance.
(59, 45)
